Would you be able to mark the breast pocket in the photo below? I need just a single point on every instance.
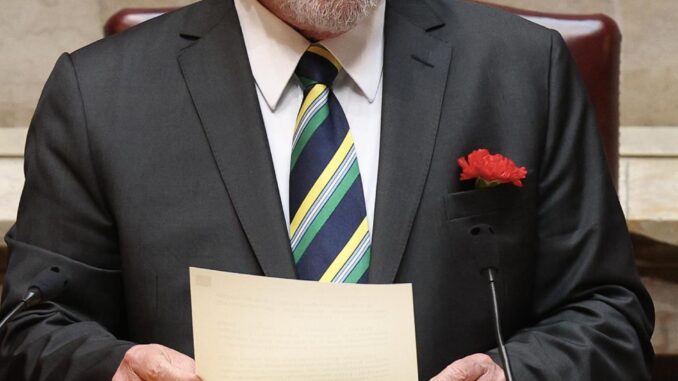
(510, 211)
(506, 208)
(479, 202)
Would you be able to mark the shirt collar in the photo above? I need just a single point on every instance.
(274, 49)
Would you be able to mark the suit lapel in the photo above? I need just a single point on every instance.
(217, 73)
(415, 73)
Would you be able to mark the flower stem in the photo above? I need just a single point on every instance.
(482, 183)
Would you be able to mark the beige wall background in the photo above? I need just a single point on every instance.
(35, 33)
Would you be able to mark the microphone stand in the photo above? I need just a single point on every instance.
(490, 274)
(483, 244)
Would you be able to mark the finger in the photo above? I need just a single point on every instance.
(494, 374)
(125, 373)
(178, 359)
(156, 362)
(159, 368)
(460, 371)
(470, 368)
(169, 373)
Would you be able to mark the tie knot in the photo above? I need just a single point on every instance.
(317, 65)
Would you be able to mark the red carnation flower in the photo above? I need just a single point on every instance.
(490, 170)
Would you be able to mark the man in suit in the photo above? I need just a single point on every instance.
(169, 146)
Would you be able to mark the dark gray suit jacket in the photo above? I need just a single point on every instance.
(148, 154)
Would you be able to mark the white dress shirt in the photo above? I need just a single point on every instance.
(274, 49)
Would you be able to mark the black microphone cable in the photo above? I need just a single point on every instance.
(484, 245)
(490, 274)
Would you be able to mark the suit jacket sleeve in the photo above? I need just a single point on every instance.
(592, 317)
(63, 220)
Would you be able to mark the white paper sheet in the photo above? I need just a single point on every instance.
(256, 328)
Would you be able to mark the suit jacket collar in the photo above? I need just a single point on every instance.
(202, 17)
(217, 73)
(415, 74)
(418, 13)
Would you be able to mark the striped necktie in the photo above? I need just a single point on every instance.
(329, 233)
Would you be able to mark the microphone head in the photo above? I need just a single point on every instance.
(47, 285)
(483, 246)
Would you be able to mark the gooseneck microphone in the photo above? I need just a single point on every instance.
(46, 286)
(483, 244)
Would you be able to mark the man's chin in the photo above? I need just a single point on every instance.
(319, 35)
(313, 21)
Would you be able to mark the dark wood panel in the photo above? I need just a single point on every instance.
(665, 368)
(656, 259)
(3, 262)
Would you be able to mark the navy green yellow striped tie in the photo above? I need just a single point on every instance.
(329, 233)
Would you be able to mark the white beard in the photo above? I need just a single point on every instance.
(330, 16)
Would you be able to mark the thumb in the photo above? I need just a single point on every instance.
(169, 373)
(469, 368)
(165, 364)
(164, 371)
